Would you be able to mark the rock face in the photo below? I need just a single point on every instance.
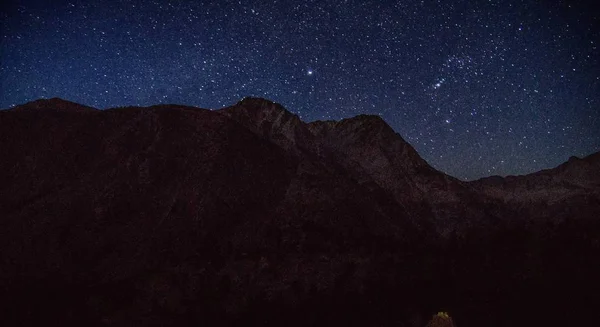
(174, 215)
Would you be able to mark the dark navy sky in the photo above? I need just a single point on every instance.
(477, 87)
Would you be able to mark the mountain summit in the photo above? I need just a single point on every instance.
(175, 215)
(54, 104)
(273, 122)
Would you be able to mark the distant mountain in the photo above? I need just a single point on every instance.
(175, 215)
(569, 191)
(54, 104)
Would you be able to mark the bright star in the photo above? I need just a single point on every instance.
(438, 84)
(309, 72)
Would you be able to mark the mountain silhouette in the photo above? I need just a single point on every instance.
(176, 215)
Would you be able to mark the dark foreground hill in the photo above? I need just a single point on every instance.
(180, 216)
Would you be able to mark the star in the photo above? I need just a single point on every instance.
(438, 84)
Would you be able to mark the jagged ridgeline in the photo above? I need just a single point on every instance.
(173, 215)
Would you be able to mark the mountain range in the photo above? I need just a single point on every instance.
(173, 215)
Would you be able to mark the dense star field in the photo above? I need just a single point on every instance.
(479, 88)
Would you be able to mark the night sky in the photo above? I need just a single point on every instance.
(478, 87)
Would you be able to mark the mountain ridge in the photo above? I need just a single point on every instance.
(53, 104)
(178, 215)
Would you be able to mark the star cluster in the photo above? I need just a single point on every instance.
(479, 88)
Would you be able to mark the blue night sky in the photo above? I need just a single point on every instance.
(478, 87)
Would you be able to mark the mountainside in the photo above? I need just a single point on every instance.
(174, 215)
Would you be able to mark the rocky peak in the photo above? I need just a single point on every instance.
(272, 121)
(258, 109)
(261, 105)
(372, 151)
(586, 162)
(369, 140)
(579, 171)
(357, 125)
(54, 104)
